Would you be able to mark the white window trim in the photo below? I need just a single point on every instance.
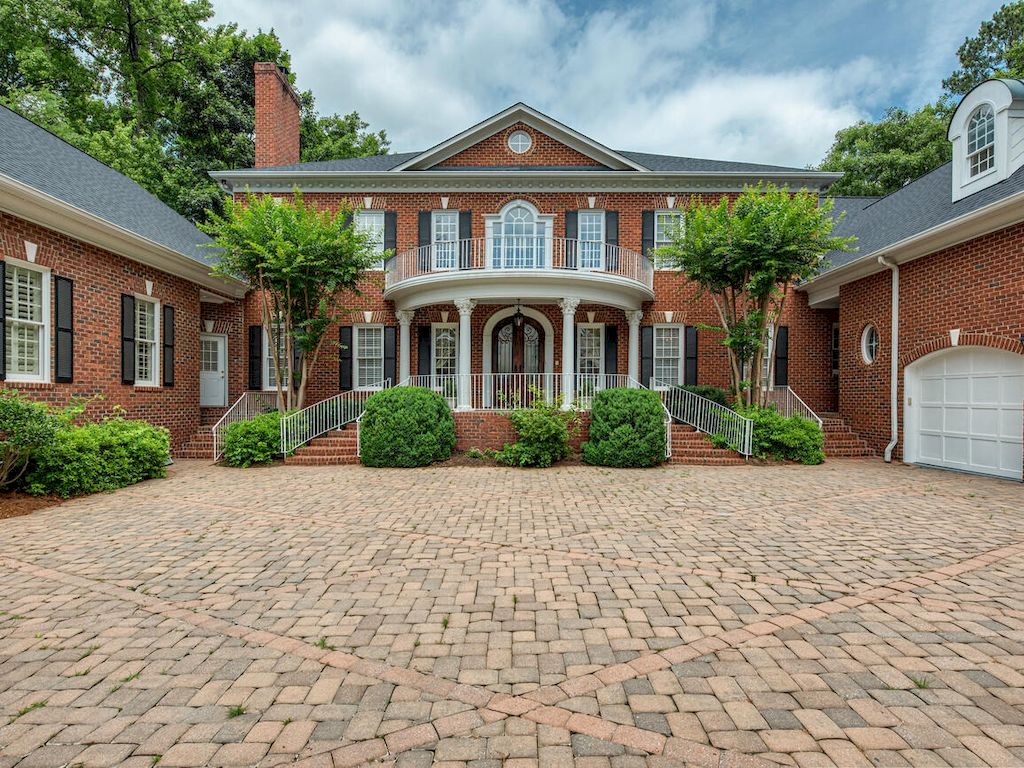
(434, 328)
(660, 211)
(382, 215)
(43, 377)
(519, 132)
(545, 220)
(355, 354)
(767, 369)
(434, 241)
(600, 327)
(968, 155)
(157, 344)
(681, 373)
(604, 234)
(268, 364)
(864, 344)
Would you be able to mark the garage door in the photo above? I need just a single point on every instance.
(964, 411)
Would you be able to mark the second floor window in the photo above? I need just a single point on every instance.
(445, 235)
(981, 139)
(591, 239)
(665, 224)
(372, 223)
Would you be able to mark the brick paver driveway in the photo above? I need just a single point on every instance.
(847, 614)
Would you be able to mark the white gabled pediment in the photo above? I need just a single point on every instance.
(520, 113)
(1003, 99)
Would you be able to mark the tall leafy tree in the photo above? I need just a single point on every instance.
(996, 51)
(879, 158)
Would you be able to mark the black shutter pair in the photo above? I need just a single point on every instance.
(611, 237)
(63, 346)
(782, 356)
(128, 342)
(426, 238)
(346, 356)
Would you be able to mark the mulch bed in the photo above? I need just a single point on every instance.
(13, 504)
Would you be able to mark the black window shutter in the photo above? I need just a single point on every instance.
(646, 354)
(255, 357)
(611, 349)
(390, 356)
(345, 358)
(571, 236)
(466, 234)
(63, 340)
(690, 350)
(647, 233)
(3, 320)
(423, 350)
(127, 338)
(390, 230)
(611, 237)
(168, 334)
(423, 240)
(782, 356)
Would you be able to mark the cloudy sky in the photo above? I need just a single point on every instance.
(756, 80)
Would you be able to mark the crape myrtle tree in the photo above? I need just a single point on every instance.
(746, 256)
(302, 262)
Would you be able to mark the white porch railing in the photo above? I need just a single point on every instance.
(707, 416)
(493, 391)
(788, 403)
(300, 427)
(586, 385)
(250, 405)
(520, 252)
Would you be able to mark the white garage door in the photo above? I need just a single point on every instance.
(964, 411)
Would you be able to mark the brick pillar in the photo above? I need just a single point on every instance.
(277, 116)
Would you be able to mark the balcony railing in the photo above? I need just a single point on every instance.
(532, 253)
(506, 391)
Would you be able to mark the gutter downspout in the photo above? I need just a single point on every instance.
(894, 384)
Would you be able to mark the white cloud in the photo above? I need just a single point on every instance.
(655, 78)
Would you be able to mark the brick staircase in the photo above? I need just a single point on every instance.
(840, 440)
(692, 447)
(199, 446)
(331, 448)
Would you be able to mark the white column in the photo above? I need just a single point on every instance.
(404, 347)
(465, 307)
(633, 317)
(568, 349)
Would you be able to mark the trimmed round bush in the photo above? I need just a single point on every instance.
(406, 427)
(256, 441)
(787, 439)
(627, 429)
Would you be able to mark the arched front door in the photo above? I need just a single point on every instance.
(517, 360)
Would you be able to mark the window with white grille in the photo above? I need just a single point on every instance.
(445, 238)
(372, 224)
(668, 354)
(589, 349)
(666, 223)
(369, 356)
(446, 345)
(27, 322)
(146, 334)
(981, 141)
(591, 239)
(274, 338)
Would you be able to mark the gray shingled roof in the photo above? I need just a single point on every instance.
(653, 162)
(920, 205)
(35, 157)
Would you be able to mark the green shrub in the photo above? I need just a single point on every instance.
(543, 430)
(627, 429)
(792, 439)
(406, 427)
(256, 441)
(101, 456)
(716, 394)
(25, 425)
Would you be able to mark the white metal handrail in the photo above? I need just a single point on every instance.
(520, 252)
(707, 416)
(250, 405)
(492, 391)
(788, 403)
(300, 427)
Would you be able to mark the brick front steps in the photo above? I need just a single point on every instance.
(199, 446)
(692, 447)
(840, 440)
(331, 448)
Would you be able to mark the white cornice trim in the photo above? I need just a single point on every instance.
(519, 113)
(27, 202)
(989, 218)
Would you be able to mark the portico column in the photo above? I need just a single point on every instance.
(404, 348)
(633, 317)
(568, 349)
(465, 307)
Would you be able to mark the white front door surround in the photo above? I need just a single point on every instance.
(213, 370)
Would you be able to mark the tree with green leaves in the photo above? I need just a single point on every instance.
(746, 256)
(301, 262)
(879, 158)
(996, 51)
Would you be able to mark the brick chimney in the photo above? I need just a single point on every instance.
(277, 116)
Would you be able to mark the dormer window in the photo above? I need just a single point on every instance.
(981, 139)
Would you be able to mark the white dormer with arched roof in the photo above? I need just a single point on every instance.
(987, 131)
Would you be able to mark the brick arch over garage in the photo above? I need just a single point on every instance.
(943, 341)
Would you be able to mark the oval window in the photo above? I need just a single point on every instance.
(869, 344)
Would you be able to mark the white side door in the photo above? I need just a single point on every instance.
(213, 370)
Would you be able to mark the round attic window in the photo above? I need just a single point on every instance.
(519, 142)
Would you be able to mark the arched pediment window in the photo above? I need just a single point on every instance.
(981, 141)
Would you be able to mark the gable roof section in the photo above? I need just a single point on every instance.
(38, 159)
(520, 113)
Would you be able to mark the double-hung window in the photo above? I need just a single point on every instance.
(668, 355)
(591, 239)
(147, 361)
(766, 359)
(981, 141)
(589, 349)
(666, 223)
(27, 322)
(275, 346)
(372, 224)
(444, 359)
(445, 236)
(369, 356)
